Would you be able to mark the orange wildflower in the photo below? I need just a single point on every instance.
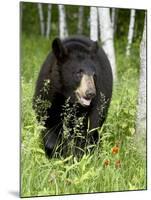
(106, 163)
(117, 164)
(115, 150)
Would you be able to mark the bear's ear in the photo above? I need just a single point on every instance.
(94, 48)
(59, 50)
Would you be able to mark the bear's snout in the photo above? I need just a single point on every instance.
(90, 93)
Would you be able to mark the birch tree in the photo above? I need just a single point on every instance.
(63, 32)
(93, 23)
(114, 15)
(130, 32)
(48, 21)
(41, 17)
(80, 20)
(106, 36)
(141, 108)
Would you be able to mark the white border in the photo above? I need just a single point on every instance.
(9, 99)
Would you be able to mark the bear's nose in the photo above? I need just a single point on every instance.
(90, 94)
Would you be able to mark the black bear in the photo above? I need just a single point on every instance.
(75, 82)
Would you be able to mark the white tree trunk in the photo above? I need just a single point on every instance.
(48, 21)
(80, 20)
(141, 107)
(41, 17)
(114, 15)
(106, 36)
(130, 32)
(93, 23)
(63, 32)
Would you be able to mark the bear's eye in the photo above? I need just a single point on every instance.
(79, 73)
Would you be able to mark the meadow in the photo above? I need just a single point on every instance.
(116, 165)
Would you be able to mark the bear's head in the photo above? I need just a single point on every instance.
(77, 71)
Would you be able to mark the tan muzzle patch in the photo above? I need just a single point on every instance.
(86, 90)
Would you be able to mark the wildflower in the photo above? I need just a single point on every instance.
(106, 163)
(117, 164)
(115, 150)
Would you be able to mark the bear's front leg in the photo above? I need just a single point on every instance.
(51, 139)
(95, 123)
(53, 132)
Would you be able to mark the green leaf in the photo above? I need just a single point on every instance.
(132, 131)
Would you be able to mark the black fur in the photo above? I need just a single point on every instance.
(60, 69)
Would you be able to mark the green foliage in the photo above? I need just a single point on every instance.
(116, 165)
(127, 65)
(72, 19)
(30, 19)
(31, 55)
(123, 19)
(72, 136)
(31, 23)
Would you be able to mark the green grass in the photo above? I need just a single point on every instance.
(41, 176)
